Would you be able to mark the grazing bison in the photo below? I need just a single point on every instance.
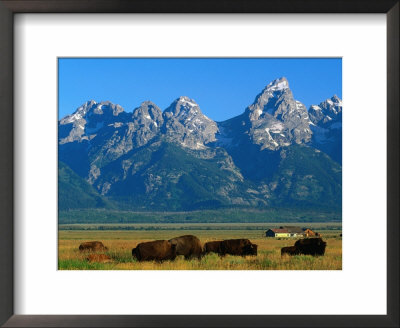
(101, 258)
(92, 246)
(212, 247)
(290, 250)
(158, 250)
(310, 246)
(189, 246)
(240, 247)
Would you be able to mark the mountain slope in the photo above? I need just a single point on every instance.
(165, 175)
(74, 192)
(306, 177)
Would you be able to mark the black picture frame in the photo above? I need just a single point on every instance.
(10, 7)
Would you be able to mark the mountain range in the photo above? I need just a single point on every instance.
(275, 154)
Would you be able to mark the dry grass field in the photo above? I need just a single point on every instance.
(121, 242)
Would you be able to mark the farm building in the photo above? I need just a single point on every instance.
(277, 233)
(294, 231)
(288, 231)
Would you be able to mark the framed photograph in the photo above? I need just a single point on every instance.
(207, 182)
(192, 164)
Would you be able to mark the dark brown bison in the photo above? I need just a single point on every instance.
(290, 250)
(189, 246)
(240, 247)
(158, 250)
(92, 246)
(212, 247)
(310, 246)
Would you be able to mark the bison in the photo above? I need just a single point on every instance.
(290, 250)
(310, 246)
(101, 258)
(240, 247)
(212, 247)
(92, 246)
(189, 246)
(158, 250)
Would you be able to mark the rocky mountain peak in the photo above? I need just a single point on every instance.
(276, 118)
(335, 99)
(187, 112)
(278, 85)
(149, 104)
(183, 106)
(87, 120)
(147, 120)
(108, 108)
(79, 114)
(270, 98)
(327, 111)
(326, 125)
(185, 123)
(332, 106)
(148, 111)
(90, 108)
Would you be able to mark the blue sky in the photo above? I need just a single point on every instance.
(223, 88)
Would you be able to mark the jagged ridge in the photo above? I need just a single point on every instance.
(235, 162)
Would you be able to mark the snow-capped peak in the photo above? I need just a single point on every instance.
(79, 113)
(186, 101)
(327, 111)
(278, 85)
(273, 90)
(332, 105)
(336, 100)
(183, 107)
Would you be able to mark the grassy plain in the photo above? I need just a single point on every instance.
(120, 239)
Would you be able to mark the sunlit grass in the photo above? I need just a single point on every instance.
(120, 244)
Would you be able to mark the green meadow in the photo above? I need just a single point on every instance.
(121, 238)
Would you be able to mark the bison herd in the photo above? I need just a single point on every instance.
(190, 247)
